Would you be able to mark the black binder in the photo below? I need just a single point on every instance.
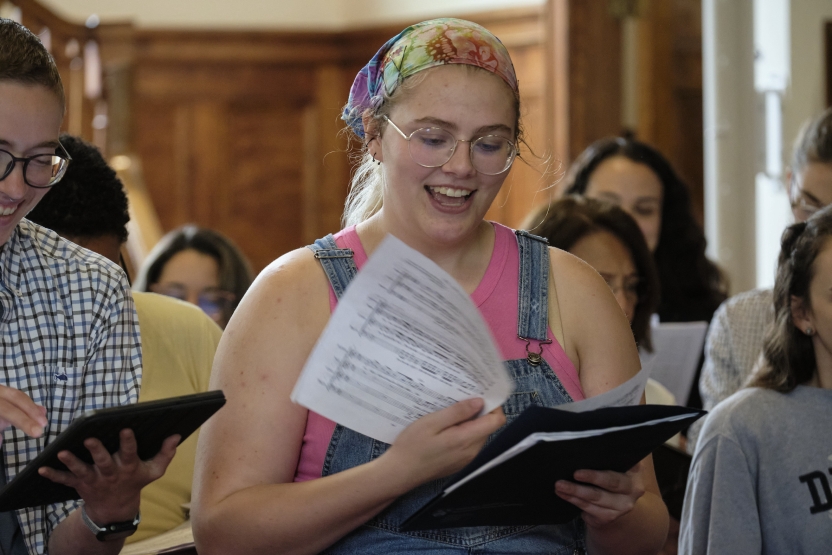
(151, 422)
(521, 490)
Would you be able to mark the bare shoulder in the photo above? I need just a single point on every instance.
(597, 335)
(259, 358)
(576, 281)
(282, 315)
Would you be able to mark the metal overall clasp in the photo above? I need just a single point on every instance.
(534, 358)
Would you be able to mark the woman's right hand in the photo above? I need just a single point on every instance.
(441, 443)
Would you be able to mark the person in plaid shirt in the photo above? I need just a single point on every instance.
(69, 336)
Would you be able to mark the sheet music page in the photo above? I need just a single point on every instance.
(405, 340)
(677, 349)
(172, 541)
(628, 393)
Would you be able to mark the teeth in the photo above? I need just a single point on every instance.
(448, 192)
(7, 211)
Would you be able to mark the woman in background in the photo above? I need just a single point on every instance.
(200, 266)
(438, 112)
(640, 180)
(608, 239)
(759, 481)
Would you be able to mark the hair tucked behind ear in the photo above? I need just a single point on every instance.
(789, 353)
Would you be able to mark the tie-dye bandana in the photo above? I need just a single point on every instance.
(419, 47)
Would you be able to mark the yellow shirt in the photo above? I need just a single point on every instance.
(178, 345)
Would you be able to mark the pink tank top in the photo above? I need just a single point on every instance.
(495, 296)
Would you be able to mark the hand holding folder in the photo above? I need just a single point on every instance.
(512, 481)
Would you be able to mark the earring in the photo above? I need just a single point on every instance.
(810, 331)
(378, 163)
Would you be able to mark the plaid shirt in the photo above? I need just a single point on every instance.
(733, 349)
(69, 339)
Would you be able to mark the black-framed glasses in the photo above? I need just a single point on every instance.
(40, 171)
(432, 147)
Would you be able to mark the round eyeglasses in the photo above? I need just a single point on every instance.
(432, 147)
(40, 171)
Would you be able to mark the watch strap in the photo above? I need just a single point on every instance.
(113, 530)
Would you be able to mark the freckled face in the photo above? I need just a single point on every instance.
(447, 203)
(635, 188)
(30, 122)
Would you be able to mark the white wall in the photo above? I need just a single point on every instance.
(272, 14)
(744, 220)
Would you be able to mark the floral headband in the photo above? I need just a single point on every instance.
(419, 47)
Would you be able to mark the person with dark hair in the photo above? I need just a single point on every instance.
(200, 266)
(603, 235)
(735, 339)
(759, 480)
(438, 112)
(69, 340)
(637, 177)
(178, 340)
(90, 206)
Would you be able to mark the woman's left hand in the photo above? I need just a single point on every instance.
(610, 495)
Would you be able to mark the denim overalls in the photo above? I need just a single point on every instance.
(535, 383)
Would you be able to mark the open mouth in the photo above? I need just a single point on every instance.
(8, 210)
(449, 196)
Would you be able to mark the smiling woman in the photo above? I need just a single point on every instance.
(437, 112)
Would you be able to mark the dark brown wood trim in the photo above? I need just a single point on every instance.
(828, 34)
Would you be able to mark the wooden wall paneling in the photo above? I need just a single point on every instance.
(828, 61)
(264, 190)
(556, 88)
(594, 74)
(161, 132)
(311, 173)
(670, 88)
(332, 156)
(80, 110)
(210, 162)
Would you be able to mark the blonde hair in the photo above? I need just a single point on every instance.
(367, 183)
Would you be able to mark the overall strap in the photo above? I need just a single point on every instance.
(533, 292)
(338, 264)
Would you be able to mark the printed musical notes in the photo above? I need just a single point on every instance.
(404, 341)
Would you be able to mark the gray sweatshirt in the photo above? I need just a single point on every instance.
(761, 477)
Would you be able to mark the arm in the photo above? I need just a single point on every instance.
(110, 490)
(720, 513)
(244, 498)
(111, 486)
(624, 512)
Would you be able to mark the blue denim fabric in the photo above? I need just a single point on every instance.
(534, 385)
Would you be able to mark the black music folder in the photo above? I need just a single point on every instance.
(151, 422)
(512, 481)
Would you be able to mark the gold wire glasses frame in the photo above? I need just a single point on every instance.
(432, 147)
(40, 171)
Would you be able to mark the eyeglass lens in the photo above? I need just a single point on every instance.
(215, 303)
(43, 170)
(433, 147)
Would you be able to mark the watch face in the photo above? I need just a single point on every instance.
(117, 531)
